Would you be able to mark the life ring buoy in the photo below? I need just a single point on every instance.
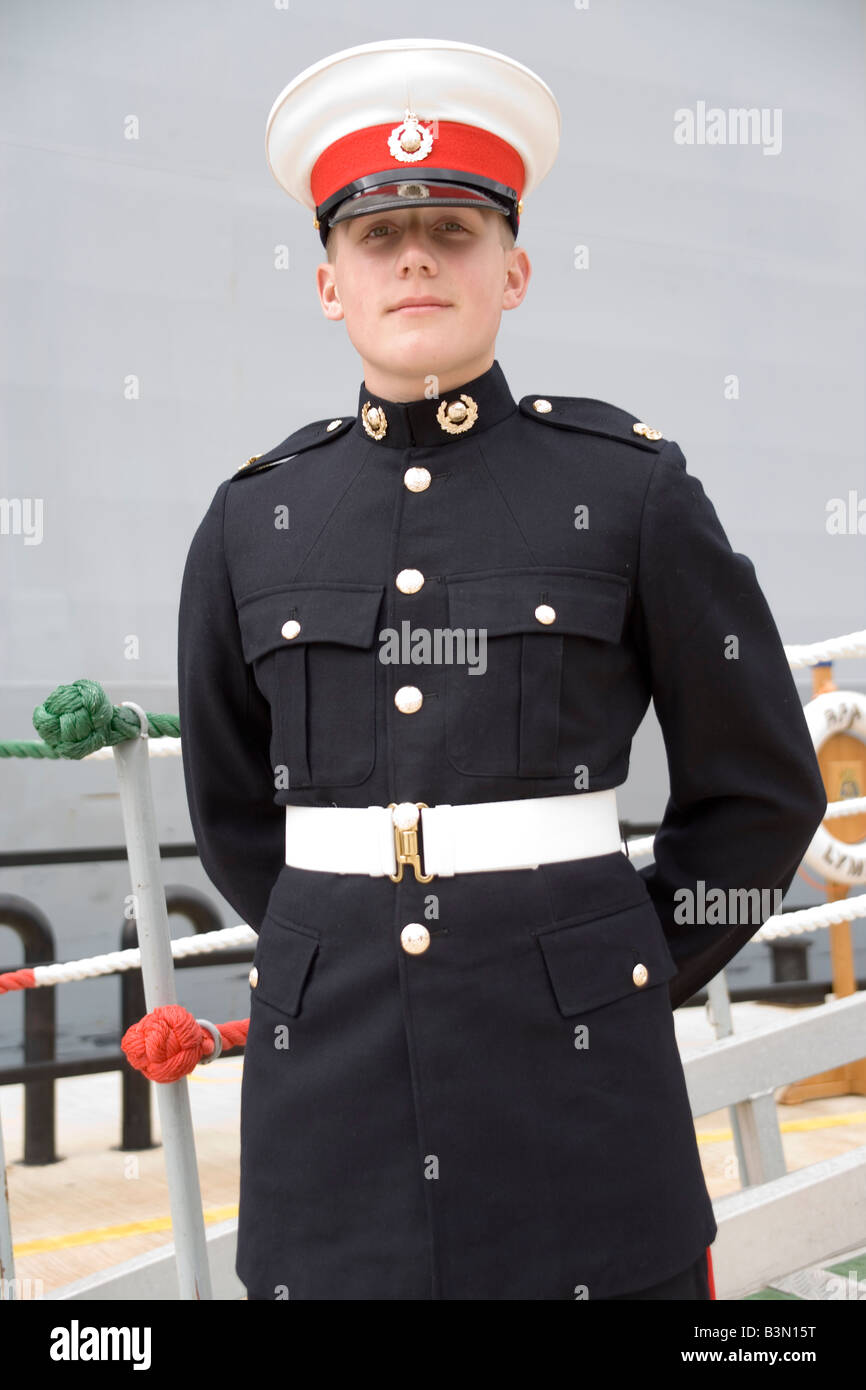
(836, 712)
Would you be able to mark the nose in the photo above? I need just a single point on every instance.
(416, 249)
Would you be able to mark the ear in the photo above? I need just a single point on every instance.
(519, 270)
(327, 288)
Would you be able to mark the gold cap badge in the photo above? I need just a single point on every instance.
(410, 140)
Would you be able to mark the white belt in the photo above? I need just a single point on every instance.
(482, 836)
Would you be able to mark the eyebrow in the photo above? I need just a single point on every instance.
(372, 219)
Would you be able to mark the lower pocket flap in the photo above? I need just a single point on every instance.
(284, 955)
(605, 958)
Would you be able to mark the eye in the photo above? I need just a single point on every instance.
(384, 226)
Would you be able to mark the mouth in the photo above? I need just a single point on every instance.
(424, 308)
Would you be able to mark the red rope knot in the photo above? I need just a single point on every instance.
(169, 1042)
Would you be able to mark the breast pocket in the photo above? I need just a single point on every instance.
(313, 655)
(283, 964)
(552, 653)
(597, 961)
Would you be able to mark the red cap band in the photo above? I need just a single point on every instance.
(455, 146)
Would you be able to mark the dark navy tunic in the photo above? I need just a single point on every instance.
(503, 1116)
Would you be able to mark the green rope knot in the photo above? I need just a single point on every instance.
(78, 719)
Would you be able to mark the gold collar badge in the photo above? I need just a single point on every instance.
(458, 416)
(374, 420)
(455, 417)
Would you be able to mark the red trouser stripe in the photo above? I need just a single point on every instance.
(710, 1274)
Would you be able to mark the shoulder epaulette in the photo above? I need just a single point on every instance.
(593, 417)
(307, 437)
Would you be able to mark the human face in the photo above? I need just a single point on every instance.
(453, 255)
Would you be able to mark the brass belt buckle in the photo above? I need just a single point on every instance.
(405, 817)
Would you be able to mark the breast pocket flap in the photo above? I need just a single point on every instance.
(283, 960)
(594, 962)
(584, 603)
(279, 619)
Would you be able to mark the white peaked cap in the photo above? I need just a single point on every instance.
(404, 122)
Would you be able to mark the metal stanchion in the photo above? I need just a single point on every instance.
(157, 969)
(7, 1264)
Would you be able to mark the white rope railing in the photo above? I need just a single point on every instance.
(163, 747)
(832, 648)
(812, 918)
(851, 806)
(115, 962)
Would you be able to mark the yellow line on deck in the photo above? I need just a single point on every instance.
(851, 1117)
(100, 1233)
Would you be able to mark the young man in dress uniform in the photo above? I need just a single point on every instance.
(415, 644)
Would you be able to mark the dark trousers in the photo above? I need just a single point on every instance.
(696, 1282)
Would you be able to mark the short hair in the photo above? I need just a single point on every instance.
(506, 236)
